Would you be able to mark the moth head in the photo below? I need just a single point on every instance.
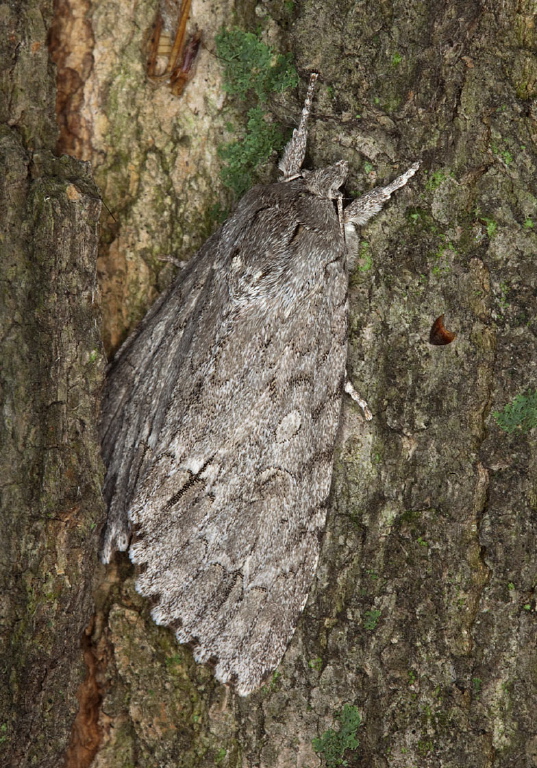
(326, 181)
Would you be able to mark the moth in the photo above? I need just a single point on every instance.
(220, 418)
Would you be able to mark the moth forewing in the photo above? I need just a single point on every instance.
(220, 419)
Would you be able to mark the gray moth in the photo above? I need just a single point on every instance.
(220, 416)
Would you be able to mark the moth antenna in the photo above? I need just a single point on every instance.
(295, 151)
(362, 209)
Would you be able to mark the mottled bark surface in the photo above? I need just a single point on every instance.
(153, 154)
(423, 611)
(50, 374)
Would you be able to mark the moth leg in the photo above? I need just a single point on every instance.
(295, 151)
(349, 389)
(340, 213)
(362, 209)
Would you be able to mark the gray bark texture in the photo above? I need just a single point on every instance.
(422, 615)
(51, 371)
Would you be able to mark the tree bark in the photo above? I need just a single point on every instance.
(422, 615)
(51, 372)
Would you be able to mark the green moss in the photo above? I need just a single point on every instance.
(217, 215)
(243, 157)
(501, 152)
(371, 619)
(273, 683)
(520, 415)
(442, 257)
(435, 179)
(176, 660)
(251, 66)
(332, 745)
(491, 225)
(365, 259)
(424, 747)
(409, 516)
(3, 733)
(252, 72)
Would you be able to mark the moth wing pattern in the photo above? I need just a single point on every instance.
(220, 419)
(219, 426)
(135, 381)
